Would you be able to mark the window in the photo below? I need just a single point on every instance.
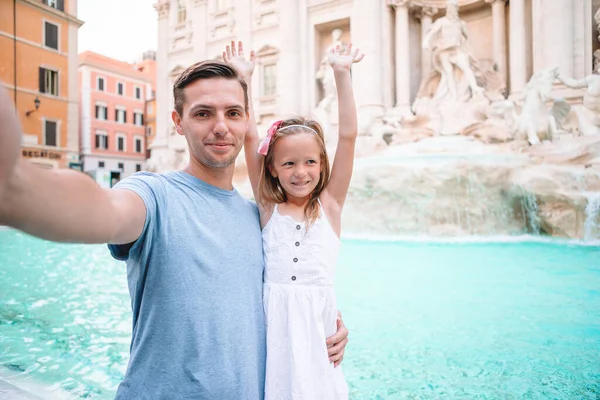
(50, 35)
(149, 131)
(181, 13)
(101, 112)
(58, 4)
(101, 140)
(138, 167)
(138, 93)
(50, 133)
(100, 164)
(120, 116)
(138, 118)
(121, 166)
(269, 80)
(138, 145)
(48, 81)
(120, 89)
(100, 84)
(120, 143)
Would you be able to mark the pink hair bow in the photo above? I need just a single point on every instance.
(263, 148)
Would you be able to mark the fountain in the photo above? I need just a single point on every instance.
(469, 159)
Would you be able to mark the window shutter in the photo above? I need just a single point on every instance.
(97, 111)
(51, 36)
(141, 119)
(97, 141)
(60, 5)
(124, 116)
(50, 133)
(105, 113)
(116, 115)
(42, 80)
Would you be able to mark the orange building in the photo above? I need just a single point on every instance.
(113, 102)
(38, 65)
(148, 65)
(150, 124)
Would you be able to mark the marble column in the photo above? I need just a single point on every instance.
(518, 48)
(402, 59)
(367, 76)
(163, 111)
(499, 35)
(426, 14)
(199, 21)
(553, 35)
(288, 80)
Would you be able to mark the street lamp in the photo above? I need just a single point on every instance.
(36, 103)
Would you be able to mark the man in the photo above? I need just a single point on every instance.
(192, 244)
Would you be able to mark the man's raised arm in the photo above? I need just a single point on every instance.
(60, 205)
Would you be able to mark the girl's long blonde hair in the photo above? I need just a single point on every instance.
(269, 187)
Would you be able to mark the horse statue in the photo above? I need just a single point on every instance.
(537, 119)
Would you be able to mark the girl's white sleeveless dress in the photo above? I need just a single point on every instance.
(300, 309)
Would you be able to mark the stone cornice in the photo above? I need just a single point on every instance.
(57, 13)
(399, 3)
(495, 1)
(162, 8)
(426, 11)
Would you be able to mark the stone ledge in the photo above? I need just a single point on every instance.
(8, 391)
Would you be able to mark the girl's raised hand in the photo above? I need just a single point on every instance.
(343, 59)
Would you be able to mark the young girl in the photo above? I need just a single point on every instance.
(300, 203)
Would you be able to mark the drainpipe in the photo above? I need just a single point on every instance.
(15, 48)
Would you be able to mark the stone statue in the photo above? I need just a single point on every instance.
(326, 110)
(589, 116)
(325, 74)
(447, 40)
(537, 118)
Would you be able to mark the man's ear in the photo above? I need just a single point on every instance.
(177, 121)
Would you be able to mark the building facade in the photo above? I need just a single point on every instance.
(38, 43)
(291, 38)
(113, 102)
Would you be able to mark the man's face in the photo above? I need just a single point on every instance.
(214, 121)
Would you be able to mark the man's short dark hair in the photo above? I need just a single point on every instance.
(205, 70)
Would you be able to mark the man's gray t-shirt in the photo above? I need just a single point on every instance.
(195, 280)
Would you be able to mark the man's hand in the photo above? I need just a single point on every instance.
(10, 140)
(336, 344)
(237, 59)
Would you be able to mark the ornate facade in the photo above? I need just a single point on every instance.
(514, 39)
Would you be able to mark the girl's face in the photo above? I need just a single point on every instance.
(297, 164)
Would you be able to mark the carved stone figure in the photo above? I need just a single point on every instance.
(537, 118)
(452, 60)
(325, 75)
(589, 115)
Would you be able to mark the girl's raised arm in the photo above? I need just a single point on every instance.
(341, 172)
(245, 68)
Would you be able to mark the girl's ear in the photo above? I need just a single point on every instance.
(272, 171)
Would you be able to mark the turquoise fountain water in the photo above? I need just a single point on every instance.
(461, 320)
